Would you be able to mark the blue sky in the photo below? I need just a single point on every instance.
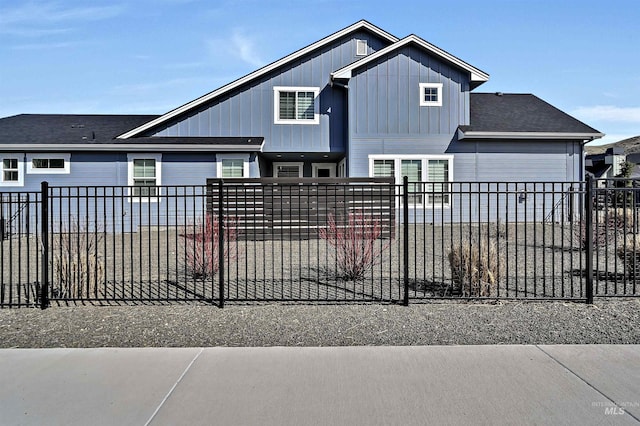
(150, 56)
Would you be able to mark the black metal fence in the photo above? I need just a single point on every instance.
(329, 240)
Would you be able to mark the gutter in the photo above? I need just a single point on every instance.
(586, 137)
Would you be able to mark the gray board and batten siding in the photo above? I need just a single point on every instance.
(249, 109)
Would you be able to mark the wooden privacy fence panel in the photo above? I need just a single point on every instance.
(296, 208)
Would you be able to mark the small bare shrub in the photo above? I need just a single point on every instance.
(355, 242)
(607, 226)
(476, 268)
(629, 253)
(201, 245)
(78, 266)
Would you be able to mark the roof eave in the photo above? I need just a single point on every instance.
(133, 147)
(476, 75)
(262, 71)
(587, 137)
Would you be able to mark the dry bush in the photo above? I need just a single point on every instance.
(629, 253)
(355, 242)
(608, 225)
(78, 266)
(201, 245)
(476, 268)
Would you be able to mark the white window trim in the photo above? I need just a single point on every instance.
(143, 156)
(300, 165)
(20, 158)
(52, 156)
(362, 44)
(330, 166)
(430, 85)
(342, 168)
(397, 168)
(243, 157)
(276, 104)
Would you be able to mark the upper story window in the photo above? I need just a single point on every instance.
(144, 176)
(361, 48)
(430, 94)
(296, 105)
(11, 173)
(48, 163)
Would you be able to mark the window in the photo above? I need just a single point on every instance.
(383, 168)
(144, 177)
(438, 172)
(413, 170)
(427, 175)
(287, 169)
(296, 105)
(48, 163)
(232, 165)
(11, 170)
(361, 48)
(430, 94)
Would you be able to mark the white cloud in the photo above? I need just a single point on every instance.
(609, 113)
(611, 138)
(245, 49)
(37, 19)
(238, 45)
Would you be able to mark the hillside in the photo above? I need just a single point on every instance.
(630, 146)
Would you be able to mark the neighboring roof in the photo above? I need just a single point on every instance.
(25, 129)
(511, 115)
(360, 25)
(60, 132)
(477, 76)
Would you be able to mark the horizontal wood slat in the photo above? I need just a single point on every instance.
(272, 209)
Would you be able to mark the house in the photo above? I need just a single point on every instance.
(359, 102)
(606, 165)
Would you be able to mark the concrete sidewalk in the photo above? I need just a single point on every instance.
(586, 385)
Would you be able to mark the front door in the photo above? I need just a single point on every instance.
(324, 170)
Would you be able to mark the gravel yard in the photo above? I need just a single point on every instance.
(447, 323)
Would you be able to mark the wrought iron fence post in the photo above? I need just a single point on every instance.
(405, 237)
(221, 241)
(44, 285)
(589, 194)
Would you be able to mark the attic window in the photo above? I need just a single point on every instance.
(430, 94)
(361, 48)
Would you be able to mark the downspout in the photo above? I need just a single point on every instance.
(347, 130)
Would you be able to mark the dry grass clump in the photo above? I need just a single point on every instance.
(608, 225)
(78, 267)
(629, 253)
(476, 268)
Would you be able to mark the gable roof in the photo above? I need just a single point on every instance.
(521, 116)
(360, 25)
(63, 132)
(476, 76)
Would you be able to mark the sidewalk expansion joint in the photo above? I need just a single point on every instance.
(173, 387)
(585, 382)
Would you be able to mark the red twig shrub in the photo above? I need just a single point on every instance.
(356, 244)
(201, 245)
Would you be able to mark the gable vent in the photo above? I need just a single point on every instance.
(361, 48)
